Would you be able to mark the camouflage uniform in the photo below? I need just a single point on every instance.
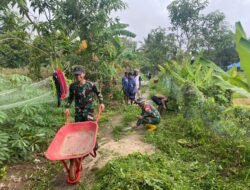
(150, 115)
(84, 97)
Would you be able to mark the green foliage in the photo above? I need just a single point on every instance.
(65, 25)
(203, 74)
(26, 129)
(13, 37)
(190, 156)
(130, 114)
(3, 172)
(30, 130)
(141, 172)
(157, 48)
(203, 91)
(192, 99)
(194, 30)
(220, 95)
(4, 148)
(243, 49)
(192, 140)
(12, 81)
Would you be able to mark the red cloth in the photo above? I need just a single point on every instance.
(63, 83)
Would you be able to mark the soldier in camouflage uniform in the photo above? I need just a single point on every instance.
(83, 92)
(150, 116)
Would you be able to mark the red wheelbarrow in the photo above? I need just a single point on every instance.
(74, 142)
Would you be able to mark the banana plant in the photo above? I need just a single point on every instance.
(205, 73)
(243, 49)
(198, 74)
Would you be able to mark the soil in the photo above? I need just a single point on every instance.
(19, 175)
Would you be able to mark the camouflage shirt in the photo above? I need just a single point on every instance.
(84, 98)
(150, 111)
(150, 115)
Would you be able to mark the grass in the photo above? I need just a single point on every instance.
(44, 176)
(190, 156)
(129, 116)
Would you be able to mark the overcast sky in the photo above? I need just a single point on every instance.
(144, 15)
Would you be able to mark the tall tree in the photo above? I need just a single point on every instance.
(69, 24)
(185, 20)
(195, 31)
(158, 47)
(14, 51)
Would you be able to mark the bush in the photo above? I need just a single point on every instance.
(218, 159)
(27, 130)
(220, 95)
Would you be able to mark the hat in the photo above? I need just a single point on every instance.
(78, 70)
(140, 101)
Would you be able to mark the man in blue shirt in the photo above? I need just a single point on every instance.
(131, 89)
(125, 86)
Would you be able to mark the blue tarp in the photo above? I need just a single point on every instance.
(233, 65)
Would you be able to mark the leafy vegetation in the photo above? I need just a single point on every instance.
(203, 144)
(190, 31)
(242, 46)
(190, 157)
(25, 129)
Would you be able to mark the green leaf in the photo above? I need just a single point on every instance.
(240, 33)
(208, 75)
(243, 49)
(244, 53)
(226, 85)
(175, 75)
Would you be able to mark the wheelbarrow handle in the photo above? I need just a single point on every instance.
(98, 114)
(67, 114)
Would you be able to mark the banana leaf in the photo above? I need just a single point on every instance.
(243, 49)
(244, 53)
(226, 85)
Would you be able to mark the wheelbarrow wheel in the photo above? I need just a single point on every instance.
(72, 170)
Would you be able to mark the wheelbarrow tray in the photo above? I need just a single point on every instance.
(73, 140)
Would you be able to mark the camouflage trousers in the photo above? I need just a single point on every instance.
(148, 120)
(84, 115)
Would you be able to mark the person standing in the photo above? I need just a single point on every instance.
(138, 80)
(125, 86)
(58, 88)
(131, 89)
(83, 91)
